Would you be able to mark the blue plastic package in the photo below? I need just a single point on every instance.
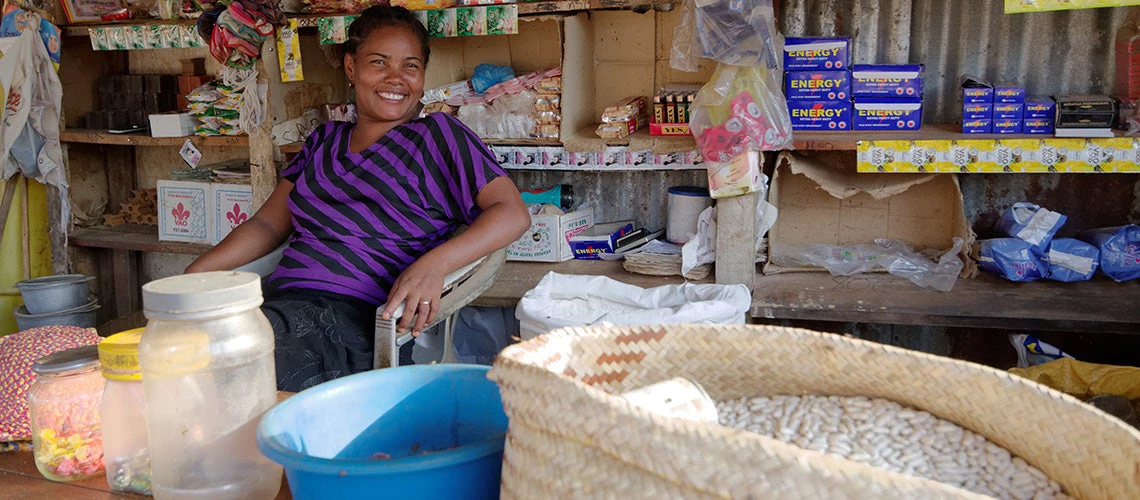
(1031, 223)
(1011, 258)
(1072, 260)
(489, 75)
(1119, 250)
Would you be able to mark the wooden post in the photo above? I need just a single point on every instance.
(262, 169)
(736, 240)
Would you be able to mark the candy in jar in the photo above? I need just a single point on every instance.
(123, 413)
(63, 404)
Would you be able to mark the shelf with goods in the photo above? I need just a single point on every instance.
(312, 20)
(88, 136)
(131, 237)
(986, 301)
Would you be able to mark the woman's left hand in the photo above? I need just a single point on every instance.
(419, 288)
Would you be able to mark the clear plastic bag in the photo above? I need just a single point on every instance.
(894, 256)
(741, 109)
(736, 32)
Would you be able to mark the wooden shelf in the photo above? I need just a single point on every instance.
(984, 302)
(310, 20)
(86, 136)
(519, 277)
(131, 237)
(522, 142)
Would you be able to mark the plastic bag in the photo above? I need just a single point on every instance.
(740, 109)
(1085, 380)
(894, 256)
(1119, 250)
(489, 75)
(1012, 259)
(736, 32)
(561, 300)
(1072, 260)
(1031, 223)
(1031, 351)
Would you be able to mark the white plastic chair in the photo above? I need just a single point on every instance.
(460, 288)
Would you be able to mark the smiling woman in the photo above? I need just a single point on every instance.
(367, 209)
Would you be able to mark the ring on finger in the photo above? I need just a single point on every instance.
(425, 303)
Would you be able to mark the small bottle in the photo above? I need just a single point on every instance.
(63, 404)
(123, 414)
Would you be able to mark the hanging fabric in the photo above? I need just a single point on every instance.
(32, 96)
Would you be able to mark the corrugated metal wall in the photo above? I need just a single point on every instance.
(1049, 52)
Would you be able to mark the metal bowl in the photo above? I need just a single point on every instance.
(83, 316)
(53, 294)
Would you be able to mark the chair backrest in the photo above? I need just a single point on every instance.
(265, 265)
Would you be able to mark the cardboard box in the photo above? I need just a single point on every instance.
(185, 211)
(599, 239)
(823, 200)
(977, 111)
(984, 126)
(1007, 126)
(1082, 111)
(233, 205)
(816, 53)
(1037, 126)
(172, 125)
(548, 239)
(887, 80)
(1040, 107)
(1008, 93)
(824, 115)
(1009, 111)
(817, 85)
(887, 114)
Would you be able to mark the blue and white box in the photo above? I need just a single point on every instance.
(977, 111)
(981, 126)
(1037, 126)
(1007, 126)
(816, 53)
(887, 80)
(1008, 93)
(818, 86)
(1009, 111)
(600, 239)
(887, 114)
(820, 115)
(1040, 107)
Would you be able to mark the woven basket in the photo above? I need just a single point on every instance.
(571, 436)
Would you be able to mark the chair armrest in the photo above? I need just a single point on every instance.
(459, 289)
(265, 264)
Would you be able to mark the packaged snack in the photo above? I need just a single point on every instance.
(625, 110)
(618, 130)
(551, 85)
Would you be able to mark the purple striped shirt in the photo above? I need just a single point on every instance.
(360, 219)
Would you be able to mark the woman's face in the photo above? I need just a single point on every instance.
(388, 72)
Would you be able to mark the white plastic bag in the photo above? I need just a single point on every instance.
(562, 300)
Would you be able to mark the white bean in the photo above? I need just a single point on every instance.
(888, 435)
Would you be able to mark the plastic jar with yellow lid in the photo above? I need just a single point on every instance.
(123, 414)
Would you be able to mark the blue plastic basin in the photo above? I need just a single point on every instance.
(442, 425)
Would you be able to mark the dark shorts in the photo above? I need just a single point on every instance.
(320, 336)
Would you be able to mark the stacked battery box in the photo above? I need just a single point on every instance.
(818, 83)
(887, 96)
(1004, 109)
